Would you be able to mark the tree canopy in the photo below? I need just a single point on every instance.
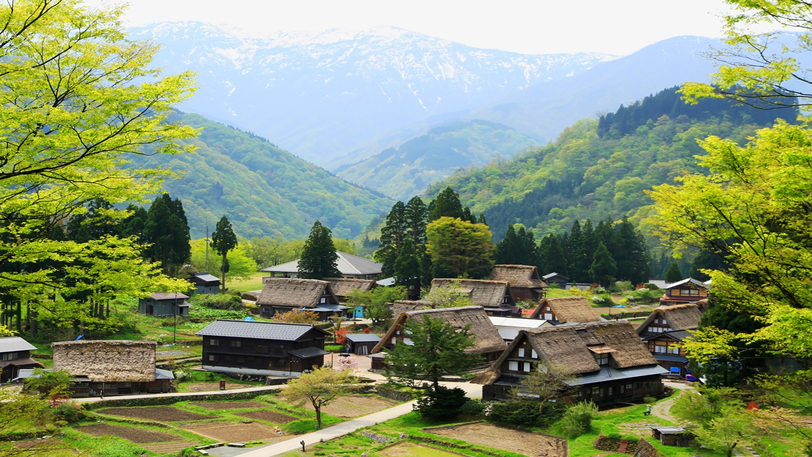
(459, 248)
(319, 259)
(223, 240)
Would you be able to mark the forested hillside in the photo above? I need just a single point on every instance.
(583, 175)
(406, 171)
(263, 190)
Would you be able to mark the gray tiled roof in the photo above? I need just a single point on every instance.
(14, 344)
(608, 373)
(347, 264)
(363, 338)
(258, 330)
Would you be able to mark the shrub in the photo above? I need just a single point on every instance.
(442, 404)
(472, 407)
(602, 300)
(651, 286)
(217, 301)
(577, 420)
(644, 295)
(525, 413)
(70, 413)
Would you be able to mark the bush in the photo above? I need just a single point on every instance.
(651, 286)
(70, 413)
(644, 295)
(442, 404)
(525, 413)
(217, 301)
(602, 300)
(577, 420)
(472, 407)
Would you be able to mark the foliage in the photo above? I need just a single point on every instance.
(376, 302)
(347, 363)
(459, 248)
(402, 249)
(223, 240)
(240, 265)
(5, 331)
(217, 301)
(437, 350)
(296, 316)
(441, 404)
(67, 144)
(319, 259)
(518, 247)
(752, 210)
(49, 383)
(319, 387)
(267, 251)
(523, 413)
(543, 385)
(450, 296)
(604, 267)
(644, 295)
(673, 274)
(166, 234)
(719, 415)
(577, 419)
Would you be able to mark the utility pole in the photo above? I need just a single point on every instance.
(207, 247)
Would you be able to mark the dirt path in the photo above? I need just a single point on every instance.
(663, 408)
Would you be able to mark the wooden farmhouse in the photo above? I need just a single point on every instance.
(262, 348)
(112, 367)
(15, 354)
(494, 296)
(350, 266)
(686, 291)
(556, 278)
(205, 283)
(664, 331)
(487, 342)
(525, 283)
(280, 295)
(164, 304)
(602, 362)
(362, 343)
(566, 310)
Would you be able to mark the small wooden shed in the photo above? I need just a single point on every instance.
(362, 343)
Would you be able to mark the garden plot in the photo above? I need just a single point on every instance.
(136, 435)
(156, 413)
(349, 406)
(269, 416)
(408, 449)
(230, 432)
(224, 405)
(528, 443)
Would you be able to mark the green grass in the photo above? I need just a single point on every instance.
(245, 285)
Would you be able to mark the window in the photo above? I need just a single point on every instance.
(513, 366)
(673, 350)
(236, 343)
(602, 359)
(629, 386)
(214, 342)
(11, 356)
(212, 358)
(262, 349)
(621, 388)
(521, 352)
(323, 300)
(596, 391)
(533, 354)
(609, 391)
(660, 348)
(527, 367)
(548, 316)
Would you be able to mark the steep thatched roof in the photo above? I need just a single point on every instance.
(403, 306)
(684, 316)
(568, 309)
(569, 350)
(107, 361)
(483, 292)
(518, 276)
(298, 293)
(486, 337)
(342, 287)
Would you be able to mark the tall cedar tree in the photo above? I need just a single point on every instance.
(437, 350)
(167, 231)
(319, 258)
(673, 274)
(392, 235)
(447, 204)
(518, 247)
(223, 240)
(604, 268)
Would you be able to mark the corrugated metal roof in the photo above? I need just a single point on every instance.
(14, 344)
(608, 373)
(363, 338)
(347, 264)
(258, 330)
(307, 353)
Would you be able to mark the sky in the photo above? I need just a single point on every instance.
(618, 27)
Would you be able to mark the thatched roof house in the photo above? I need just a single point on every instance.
(487, 340)
(343, 287)
(524, 280)
(669, 318)
(280, 295)
(604, 362)
(404, 306)
(494, 296)
(563, 310)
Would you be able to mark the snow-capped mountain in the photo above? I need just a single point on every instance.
(323, 95)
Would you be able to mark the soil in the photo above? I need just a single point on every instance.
(349, 406)
(167, 448)
(156, 413)
(223, 405)
(526, 443)
(136, 435)
(407, 449)
(270, 416)
(206, 386)
(236, 433)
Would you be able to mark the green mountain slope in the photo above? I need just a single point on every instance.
(406, 171)
(587, 175)
(263, 190)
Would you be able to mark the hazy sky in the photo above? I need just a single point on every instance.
(525, 26)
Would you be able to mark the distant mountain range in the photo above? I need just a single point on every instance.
(327, 95)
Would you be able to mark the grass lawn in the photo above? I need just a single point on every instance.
(245, 285)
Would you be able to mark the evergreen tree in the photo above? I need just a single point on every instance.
(93, 224)
(392, 235)
(133, 225)
(319, 259)
(447, 204)
(630, 253)
(673, 274)
(167, 230)
(553, 258)
(223, 240)
(578, 260)
(604, 268)
(416, 217)
(518, 247)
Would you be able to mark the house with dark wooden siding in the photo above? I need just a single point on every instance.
(665, 329)
(566, 310)
(15, 354)
(205, 283)
(524, 281)
(602, 362)
(164, 304)
(494, 296)
(686, 291)
(280, 295)
(262, 348)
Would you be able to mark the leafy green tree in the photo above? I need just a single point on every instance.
(377, 302)
(167, 232)
(319, 259)
(604, 268)
(240, 265)
(719, 416)
(79, 101)
(437, 350)
(459, 248)
(319, 387)
(223, 240)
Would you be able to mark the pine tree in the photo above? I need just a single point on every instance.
(604, 268)
(630, 253)
(319, 258)
(223, 240)
(447, 204)
(392, 235)
(167, 231)
(673, 274)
